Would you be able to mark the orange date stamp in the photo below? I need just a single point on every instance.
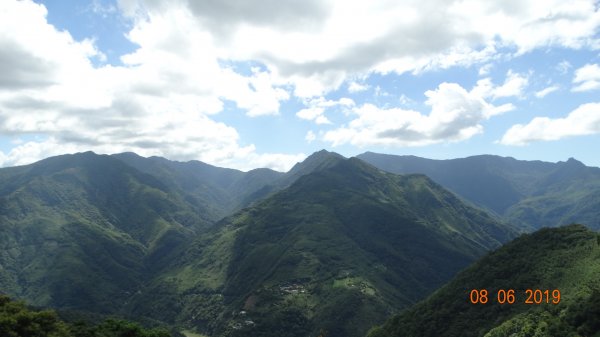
(509, 296)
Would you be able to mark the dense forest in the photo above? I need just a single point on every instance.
(17, 320)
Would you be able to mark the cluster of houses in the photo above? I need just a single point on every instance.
(293, 288)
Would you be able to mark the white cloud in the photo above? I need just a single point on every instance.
(310, 136)
(317, 106)
(485, 69)
(548, 90)
(456, 114)
(317, 45)
(313, 114)
(161, 100)
(158, 103)
(514, 86)
(587, 78)
(355, 87)
(585, 120)
(563, 66)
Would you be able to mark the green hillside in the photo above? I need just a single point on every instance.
(81, 231)
(530, 194)
(565, 259)
(340, 249)
(17, 320)
(220, 190)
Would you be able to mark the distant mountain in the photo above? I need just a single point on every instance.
(221, 190)
(532, 194)
(342, 248)
(566, 259)
(316, 162)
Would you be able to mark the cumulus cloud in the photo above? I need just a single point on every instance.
(587, 78)
(513, 86)
(585, 120)
(317, 106)
(163, 98)
(158, 103)
(316, 45)
(456, 114)
(355, 87)
(548, 90)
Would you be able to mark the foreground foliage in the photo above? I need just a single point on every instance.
(16, 320)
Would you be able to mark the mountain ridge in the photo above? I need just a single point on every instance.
(526, 193)
(340, 235)
(563, 258)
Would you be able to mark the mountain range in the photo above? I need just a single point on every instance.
(335, 244)
(339, 249)
(528, 194)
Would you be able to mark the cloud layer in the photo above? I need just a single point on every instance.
(193, 58)
(158, 103)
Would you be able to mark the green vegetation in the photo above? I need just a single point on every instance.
(331, 247)
(16, 320)
(565, 258)
(85, 231)
(530, 194)
(341, 248)
(80, 231)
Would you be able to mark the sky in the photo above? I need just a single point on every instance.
(247, 84)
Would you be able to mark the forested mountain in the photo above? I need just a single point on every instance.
(565, 260)
(531, 194)
(341, 248)
(85, 231)
(221, 190)
(80, 231)
(334, 244)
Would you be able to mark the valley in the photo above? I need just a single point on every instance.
(334, 245)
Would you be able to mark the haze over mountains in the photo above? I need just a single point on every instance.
(529, 194)
(333, 244)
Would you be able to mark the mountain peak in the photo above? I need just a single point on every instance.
(574, 162)
(317, 160)
(325, 154)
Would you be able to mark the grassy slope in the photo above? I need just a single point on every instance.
(566, 258)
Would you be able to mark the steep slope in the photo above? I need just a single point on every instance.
(565, 259)
(80, 231)
(568, 194)
(222, 190)
(318, 161)
(339, 249)
(532, 194)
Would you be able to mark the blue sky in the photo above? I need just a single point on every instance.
(265, 83)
